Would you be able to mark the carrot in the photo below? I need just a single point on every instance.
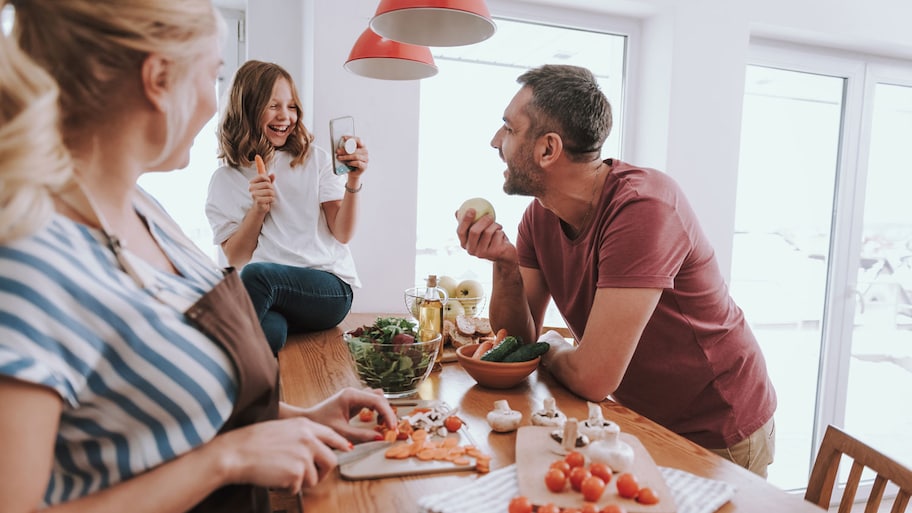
(483, 348)
(501, 334)
(261, 166)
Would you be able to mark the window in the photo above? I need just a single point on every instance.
(823, 247)
(193, 181)
(461, 109)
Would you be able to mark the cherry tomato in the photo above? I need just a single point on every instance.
(601, 470)
(575, 459)
(577, 476)
(589, 508)
(592, 488)
(647, 496)
(452, 423)
(613, 508)
(627, 485)
(366, 415)
(520, 504)
(548, 508)
(555, 480)
(563, 466)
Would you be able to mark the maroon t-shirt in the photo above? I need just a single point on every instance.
(697, 368)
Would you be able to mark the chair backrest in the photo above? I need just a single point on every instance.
(826, 468)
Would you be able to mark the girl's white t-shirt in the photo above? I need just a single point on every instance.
(295, 231)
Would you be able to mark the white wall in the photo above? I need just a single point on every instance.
(685, 99)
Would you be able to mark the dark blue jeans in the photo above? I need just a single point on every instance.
(291, 299)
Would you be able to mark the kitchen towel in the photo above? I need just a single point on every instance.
(491, 493)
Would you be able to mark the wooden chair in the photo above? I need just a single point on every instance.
(826, 469)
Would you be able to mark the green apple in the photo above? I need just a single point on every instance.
(452, 309)
(470, 294)
(448, 283)
(481, 206)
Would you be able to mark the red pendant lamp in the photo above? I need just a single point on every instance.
(434, 22)
(376, 57)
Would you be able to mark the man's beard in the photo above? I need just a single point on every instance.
(524, 176)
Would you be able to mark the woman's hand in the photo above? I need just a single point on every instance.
(262, 190)
(337, 410)
(288, 454)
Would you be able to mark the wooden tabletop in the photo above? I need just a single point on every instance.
(315, 366)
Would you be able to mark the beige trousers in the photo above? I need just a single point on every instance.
(755, 453)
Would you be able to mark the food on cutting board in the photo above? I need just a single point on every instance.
(549, 415)
(596, 427)
(605, 444)
(549, 472)
(426, 434)
(569, 436)
(502, 418)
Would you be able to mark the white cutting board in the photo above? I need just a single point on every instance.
(376, 465)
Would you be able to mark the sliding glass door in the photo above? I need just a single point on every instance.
(822, 261)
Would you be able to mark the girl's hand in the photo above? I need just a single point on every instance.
(358, 159)
(262, 190)
(336, 411)
(288, 454)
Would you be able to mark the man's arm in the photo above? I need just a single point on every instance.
(594, 369)
(518, 300)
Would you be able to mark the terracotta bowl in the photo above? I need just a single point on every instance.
(494, 374)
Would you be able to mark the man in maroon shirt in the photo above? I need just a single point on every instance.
(622, 255)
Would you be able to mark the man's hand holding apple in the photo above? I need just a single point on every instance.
(484, 238)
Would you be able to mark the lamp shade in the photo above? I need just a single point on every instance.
(376, 57)
(434, 22)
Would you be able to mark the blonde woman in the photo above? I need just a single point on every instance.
(287, 228)
(127, 380)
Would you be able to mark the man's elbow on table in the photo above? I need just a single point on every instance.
(581, 377)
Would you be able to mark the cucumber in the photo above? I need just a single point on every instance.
(497, 354)
(527, 352)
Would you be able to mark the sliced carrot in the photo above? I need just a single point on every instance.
(261, 166)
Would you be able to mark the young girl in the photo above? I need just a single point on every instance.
(128, 380)
(288, 228)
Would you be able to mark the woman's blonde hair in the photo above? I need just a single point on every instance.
(33, 160)
(95, 48)
(240, 134)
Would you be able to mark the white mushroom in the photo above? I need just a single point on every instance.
(502, 419)
(569, 436)
(596, 427)
(616, 454)
(607, 447)
(549, 415)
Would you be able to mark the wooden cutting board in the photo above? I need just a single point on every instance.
(376, 465)
(536, 450)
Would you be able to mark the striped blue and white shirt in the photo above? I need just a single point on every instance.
(140, 385)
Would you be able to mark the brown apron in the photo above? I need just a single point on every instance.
(226, 315)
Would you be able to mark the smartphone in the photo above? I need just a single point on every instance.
(339, 130)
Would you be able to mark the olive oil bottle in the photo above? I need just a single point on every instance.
(430, 315)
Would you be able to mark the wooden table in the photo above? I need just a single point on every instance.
(315, 366)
